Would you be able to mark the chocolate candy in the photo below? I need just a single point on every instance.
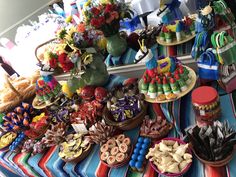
(213, 142)
(125, 108)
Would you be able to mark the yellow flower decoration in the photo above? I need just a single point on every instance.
(46, 55)
(104, 1)
(87, 3)
(87, 58)
(72, 30)
(61, 48)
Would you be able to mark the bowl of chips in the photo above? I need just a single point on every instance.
(6, 140)
(75, 148)
(170, 157)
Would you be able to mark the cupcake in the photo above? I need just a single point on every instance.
(159, 87)
(174, 86)
(162, 36)
(152, 90)
(144, 86)
(166, 86)
(181, 83)
(178, 32)
(168, 37)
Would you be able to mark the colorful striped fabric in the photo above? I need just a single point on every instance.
(180, 113)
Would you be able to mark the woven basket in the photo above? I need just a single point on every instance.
(163, 134)
(57, 70)
(27, 96)
(81, 157)
(127, 124)
(41, 45)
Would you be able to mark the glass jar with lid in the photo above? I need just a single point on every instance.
(206, 104)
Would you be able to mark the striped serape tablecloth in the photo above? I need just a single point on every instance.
(180, 113)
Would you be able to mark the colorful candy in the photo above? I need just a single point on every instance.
(137, 161)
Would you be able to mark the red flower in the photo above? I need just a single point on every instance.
(65, 62)
(62, 58)
(109, 8)
(53, 63)
(101, 20)
(95, 23)
(95, 11)
(81, 27)
(67, 66)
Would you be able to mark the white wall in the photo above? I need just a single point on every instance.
(13, 11)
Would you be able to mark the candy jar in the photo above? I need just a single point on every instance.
(206, 104)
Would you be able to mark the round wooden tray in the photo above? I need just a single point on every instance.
(118, 165)
(190, 87)
(6, 148)
(162, 135)
(39, 105)
(127, 124)
(175, 42)
(219, 163)
(81, 157)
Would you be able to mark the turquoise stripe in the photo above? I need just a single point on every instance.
(34, 161)
(10, 164)
(82, 168)
(92, 168)
(68, 169)
(16, 167)
(58, 166)
(2, 154)
(122, 171)
(52, 165)
(227, 114)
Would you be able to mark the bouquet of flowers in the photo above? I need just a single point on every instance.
(73, 48)
(76, 50)
(106, 16)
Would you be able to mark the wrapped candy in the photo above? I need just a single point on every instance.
(213, 142)
(125, 108)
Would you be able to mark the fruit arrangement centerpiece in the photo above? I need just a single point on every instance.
(213, 144)
(106, 17)
(125, 107)
(170, 157)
